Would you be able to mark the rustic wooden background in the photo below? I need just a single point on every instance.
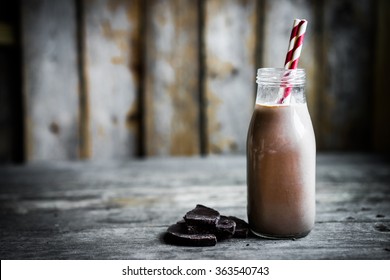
(118, 79)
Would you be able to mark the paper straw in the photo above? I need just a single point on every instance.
(294, 32)
(297, 49)
(294, 52)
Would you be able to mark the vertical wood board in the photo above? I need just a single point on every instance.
(348, 76)
(171, 81)
(111, 63)
(278, 21)
(50, 79)
(381, 133)
(6, 115)
(229, 39)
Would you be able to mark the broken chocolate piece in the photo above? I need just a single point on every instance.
(203, 226)
(177, 234)
(242, 228)
(202, 216)
(225, 227)
(201, 229)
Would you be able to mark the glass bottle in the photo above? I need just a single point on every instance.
(281, 155)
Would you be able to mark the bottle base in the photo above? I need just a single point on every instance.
(280, 236)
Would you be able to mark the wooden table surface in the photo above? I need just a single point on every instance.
(119, 210)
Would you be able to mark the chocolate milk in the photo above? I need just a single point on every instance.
(281, 156)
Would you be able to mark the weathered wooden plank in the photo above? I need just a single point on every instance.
(229, 43)
(122, 242)
(278, 21)
(6, 146)
(336, 202)
(50, 79)
(348, 74)
(119, 211)
(112, 46)
(171, 81)
(381, 135)
(356, 186)
(11, 119)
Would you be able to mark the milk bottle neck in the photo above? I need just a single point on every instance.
(278, 86)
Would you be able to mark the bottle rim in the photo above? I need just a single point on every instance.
(281, 77)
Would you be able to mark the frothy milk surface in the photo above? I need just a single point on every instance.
(281, 171)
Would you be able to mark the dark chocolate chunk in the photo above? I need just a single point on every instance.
(177, 234)
(203, 226)
(202, 216)
(242, 228)
(225, 227)
(201, 229)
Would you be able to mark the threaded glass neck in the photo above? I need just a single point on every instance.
(280, 86)
(280, 77)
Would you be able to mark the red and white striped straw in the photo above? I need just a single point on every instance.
(293, 36)
(295, 46)
(294, 50)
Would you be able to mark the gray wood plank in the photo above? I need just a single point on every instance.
(50, 79)
(119, 210)
(229, 43)
(381, 136)
(10, 89)
(118, 241)
(348, 81)
(112, 42)
(171, 79)
(7, 117)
